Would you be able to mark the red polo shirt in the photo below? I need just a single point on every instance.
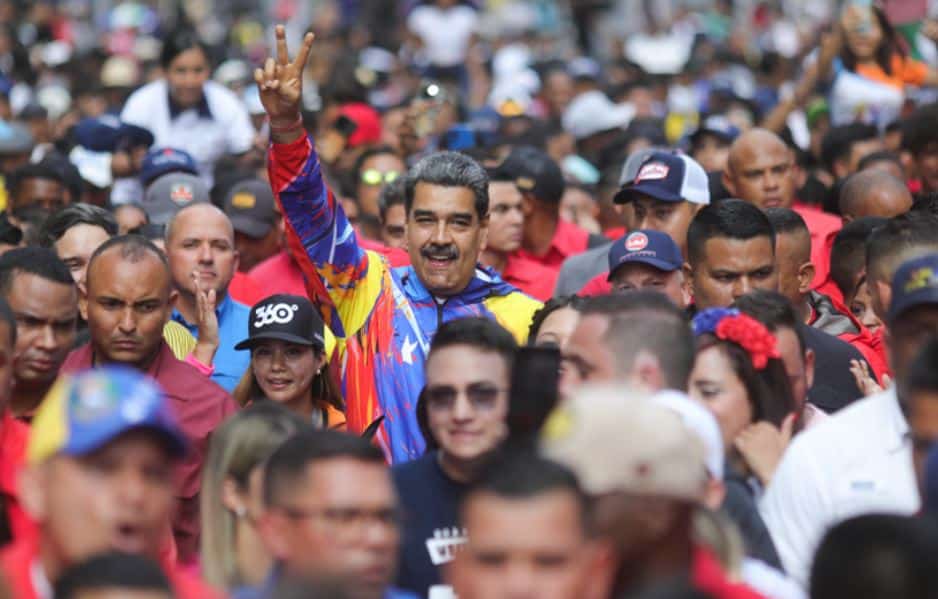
(200, 406)
(279, 274)
(20, 565)
(244, 289)
(13, 438)
(568, 240)
(823, 228)
(533, 278)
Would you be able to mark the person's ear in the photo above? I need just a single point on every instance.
(727, 180)
(809, 367)
(173, 299)
(232, 498)
(527, 204)
(646, 373)
(687, 295)
(83, 300)
(237, 261)
(688, 271)
(806, 274)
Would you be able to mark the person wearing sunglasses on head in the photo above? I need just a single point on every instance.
(463, 411)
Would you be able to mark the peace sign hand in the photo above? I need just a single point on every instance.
(280, 82)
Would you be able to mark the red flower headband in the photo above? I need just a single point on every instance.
(741, 329)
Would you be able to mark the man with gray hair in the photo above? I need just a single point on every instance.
(385, 316)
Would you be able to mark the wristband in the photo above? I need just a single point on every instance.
(298, 123)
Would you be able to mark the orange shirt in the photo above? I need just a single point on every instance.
(905, 71)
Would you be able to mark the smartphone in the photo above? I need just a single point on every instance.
(535, 381)
(428, 101)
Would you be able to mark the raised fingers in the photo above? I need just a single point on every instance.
(282, 56)
(300, 62)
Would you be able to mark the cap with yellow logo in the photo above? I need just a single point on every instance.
(250, 206)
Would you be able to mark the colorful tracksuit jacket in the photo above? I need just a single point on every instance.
(384, 317)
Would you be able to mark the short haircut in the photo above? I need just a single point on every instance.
(860, 184)
(848, 254)
(922, 375)
(879, 156)
(287, 466)
(877, 556)
(646, 321)
(76, 214)
(6, 316)
(733, 219)
(112, 570)
(786, 221)
(391, 194)
(573, 302)
(449, 169)
(773, 310)
(920, 128)
(177, 42)
(133, 248)
(478, 332)
(523, 474)
(901, 238)
(42, 262)
(838, 142)
(32, 171)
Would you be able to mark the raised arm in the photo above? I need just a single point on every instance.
(336, 268)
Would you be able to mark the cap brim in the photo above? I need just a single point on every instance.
(653, 262)
(250, 342)
(927, 297)
(628, 193)
(250, 226)
(175, 443)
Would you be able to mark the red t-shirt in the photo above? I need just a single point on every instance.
(568, 240)
(14, 436)
(245, 290)
(531, 277)
(279, 274)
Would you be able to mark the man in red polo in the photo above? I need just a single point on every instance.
(127, 299)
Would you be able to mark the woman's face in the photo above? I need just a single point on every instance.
(861, 305)
(862, 32)
(714, 383)
(186, 75)
(285, 371)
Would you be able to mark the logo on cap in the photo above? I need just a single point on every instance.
(93, 399)
(636, 242)
(526, 183)
(275, 314)
(181, 193)
(243, 200)
(652, 172)
(923, 277)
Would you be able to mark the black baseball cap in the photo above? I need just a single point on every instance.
(290, 318)
(534, 172)
(251, 208)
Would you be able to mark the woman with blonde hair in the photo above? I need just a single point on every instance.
(232, 493)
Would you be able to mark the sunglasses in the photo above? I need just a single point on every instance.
(481, 396)
(373, 176)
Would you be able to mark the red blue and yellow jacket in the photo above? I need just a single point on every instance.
(384, 317)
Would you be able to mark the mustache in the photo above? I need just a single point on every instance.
(437, 252)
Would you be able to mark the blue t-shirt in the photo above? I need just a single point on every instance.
(229, 363)
(431, 534)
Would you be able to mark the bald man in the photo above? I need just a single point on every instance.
(200, 245)
(873, 193)
(761, 170)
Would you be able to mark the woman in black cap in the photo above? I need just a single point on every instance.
(286, 338)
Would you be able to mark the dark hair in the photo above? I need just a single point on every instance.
(32, 171)
(926, 203)
(920, 128)
(877, 556)
(6, 316)
(893, 241)
(773, 310)
(922, 375)
(449, 169)
(110, 570)
(848, 253)
(889, 47)
(879, 156)
(574, 302)
(479, 332)
(786, 221)
(646, 321)
(523, 474)
(838, 142)
(733, 219)
(179, 41)
(365, 156)
(132, 247)
(391, 194)
(768, 390)
(76, 214)
(42, 262)
(287, 465)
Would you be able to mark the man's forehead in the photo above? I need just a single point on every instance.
(201, 221)
(145, 267)
(443, 198)
(728, 250)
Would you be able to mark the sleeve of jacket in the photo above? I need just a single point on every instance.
(342, 278)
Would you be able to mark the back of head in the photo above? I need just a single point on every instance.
(288, 465)
(773, 310)
(646, 322)
(838, 142)
(113, 571)
(534, 172)
(574, 302)
(863, 186)
(732, 219)
(132, 248)
(449, 169)
(73, 215)
(789, 223)
(41, 262)
(877, 557)
(848, 253)
(480, 333)
(902, 238)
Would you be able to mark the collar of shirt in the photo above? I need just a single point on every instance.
(202, 108)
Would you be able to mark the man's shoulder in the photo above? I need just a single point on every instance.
(418, 470)
(858, 427)
(818, 220)
(77, 359)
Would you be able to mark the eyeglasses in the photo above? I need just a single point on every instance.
(481, 396)
(348, 521)
(373, 176)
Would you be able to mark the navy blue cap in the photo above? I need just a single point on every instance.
(162, 161)
(668, 177)
(105, 134)
(914, 284)
(645, 246)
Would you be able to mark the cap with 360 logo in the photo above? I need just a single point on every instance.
(283, 317)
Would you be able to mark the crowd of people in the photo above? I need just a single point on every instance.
(438, 299)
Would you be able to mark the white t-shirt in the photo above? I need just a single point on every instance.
(228, 129)
(445, 32)
(857, 461)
